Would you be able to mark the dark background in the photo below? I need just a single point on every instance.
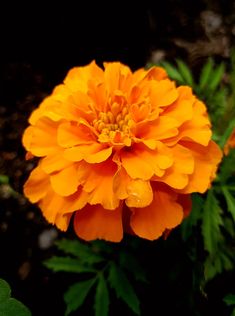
(38, 45)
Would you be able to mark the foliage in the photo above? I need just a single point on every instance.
(100, 272)
(10, 306)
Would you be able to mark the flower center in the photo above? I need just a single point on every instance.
(114, 125)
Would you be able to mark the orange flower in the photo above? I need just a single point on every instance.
(230, 143)
(121, 151)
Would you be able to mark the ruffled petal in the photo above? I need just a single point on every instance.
(53, 204)
(177, 175)
(37, 185)
(92, 153)
(70, 135)
(206, 160)
(163, 213)
(163, 93)
(95, 222)
(143, 163)
(65, 182)
(55, 162)
(140, 193)
(40, 139)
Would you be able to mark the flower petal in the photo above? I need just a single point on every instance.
(62, 221)
(163, 213)
(140, 193)
(54, 162)
(95, 222)
(99, 184)
(93, 153)
(40, 139)
(177, 175)
(70, 135)
(65, 182)
(37, 185)
(53, 204)
(206, 160)
(163, 93)
(143, 163)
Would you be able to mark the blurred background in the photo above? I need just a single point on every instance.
(38, 45)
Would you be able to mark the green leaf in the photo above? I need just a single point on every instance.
(101, 305)
(233, 312)
(67, 264)
(5, 290)
(10, 306)
(230, 200)
(193, 218)
(124, 290)
(76, 294)
(205, 74)
(129, 262)
(80, 250)
(211, 222)
(227, 167)
(227, 133)
(4, 179)
(172, 72)
(229, 299)
(212, 267)
(185, 72)
(217, 77)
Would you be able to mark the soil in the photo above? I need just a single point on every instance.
(39, 45)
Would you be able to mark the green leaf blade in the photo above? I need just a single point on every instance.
(76, 295)
(124, 290)
(230, 200)
(205, 74)
(211, 222)
(101, 305)
(67, 264)
(10, 306)
(5, 290)
(172, 72)
(79, 250)
(129, 262)
(229, 299)
(217, 77)
(185, 72)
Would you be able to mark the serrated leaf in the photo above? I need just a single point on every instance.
(229, 299)
(227, 167)
(101, 305)
(10, 306)
(216, 77)
(228, 131)
(172, 72)
(80, 250)
(185, 72)
(205, 73)
(76, 295)
(230, 200)
(212, 267)
(67, 264)
(129, 262)
(211, 222)
(193, 218)
(124, 290)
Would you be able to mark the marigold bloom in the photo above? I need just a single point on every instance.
(230, 143)
(121, 151)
